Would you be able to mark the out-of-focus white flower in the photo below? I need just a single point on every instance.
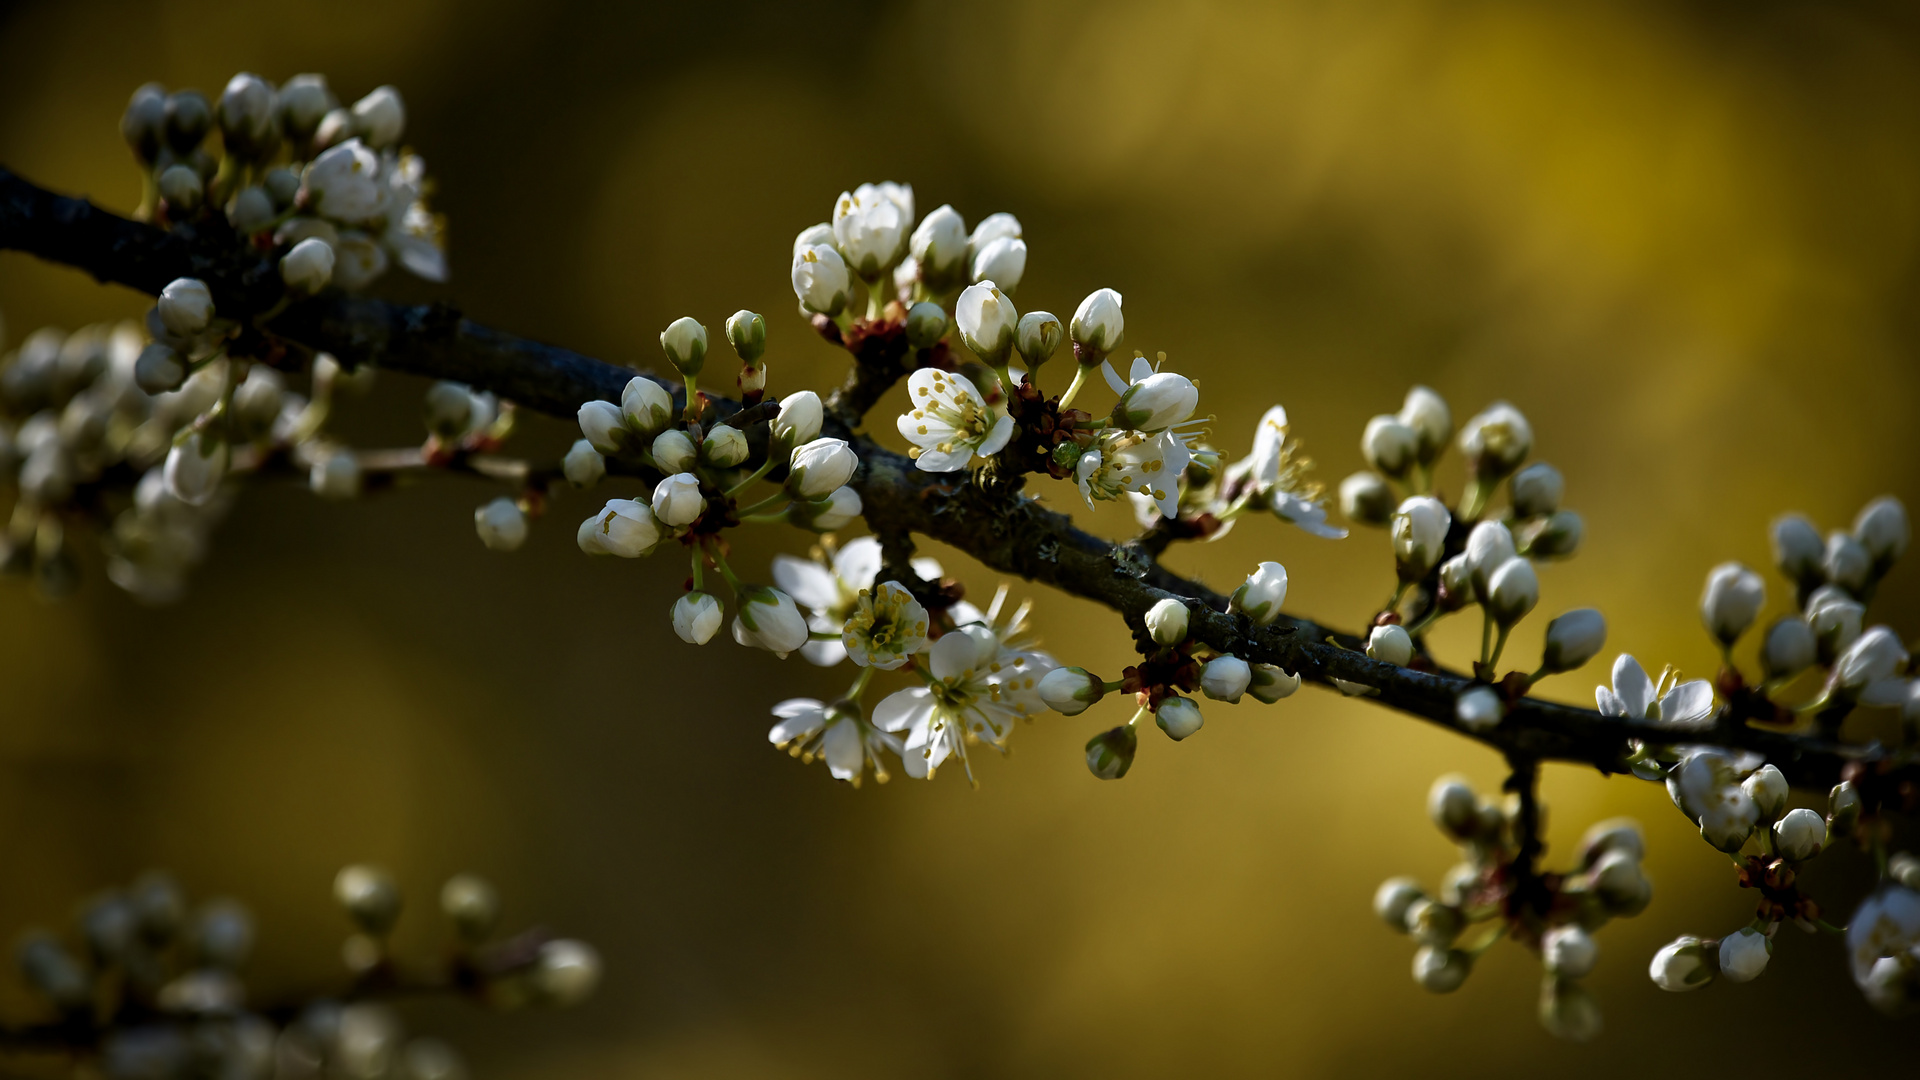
(1419, 535)
(983, 680)
(1836, 619)
(1536, 490)
(186, 307)
(696, 617)
(1270, 683)
(821, 280)
(1432, 422)
(1882, 529)
(1846, 563)
(832, 513)
(1731, 601)
(837, 734)
(1636, 696)
(1366, 498)
(870, 226)
(308, 267)
(830, 590)
(1886, 924)
(1868, 669)
(768, 620)
(950, 425)
(1573, 639)
(1479, 709)
(1706, 788)
(1260, 597)
(1392, 899)
(1279, 476)
(380, 117)
(1744, 954)
(1150, 400)
(820, 235)
(1389, 445)
(1681, 965)
(1441, 970)
(1003, 262)
(886, 629)
(502, 525)
(195, 467)
(358, 260)
(992, 227)
(344, 184)
(1512, 591)
(583, 465)
(1226, 678)
(1496, 441)
(1788, 648)
(1390, 644)
(677, 500)
(1569, 951)
(335, 475)
(1125, 462)
(1797, 547)
(1489, 546)
(624, 527)
(1767, 787)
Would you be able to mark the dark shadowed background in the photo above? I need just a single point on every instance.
(1681, 237)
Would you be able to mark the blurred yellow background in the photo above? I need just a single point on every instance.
(1680, 236)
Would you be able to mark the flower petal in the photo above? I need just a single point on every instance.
(858, 563)
(903, 709)
(1631, 686)
(841, 747)
(1113, 377)
(1687, 704)
(810, 584)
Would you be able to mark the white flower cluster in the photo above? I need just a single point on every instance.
(1496, 885)
(329, 188)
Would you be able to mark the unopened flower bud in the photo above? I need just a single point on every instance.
(448, 409)
(685, 343)
(1799, 835)
(1512, 591)
(183, 189)
(583, 465)
(672, 452)
(308, 267)
(1573, 639)
(1390, 446)
(1788, 648)
(380, 118)
(304, 102)
(826, 515)
(1270, 683)
(1110, 753)
(1419, 536)
(1260, 597)
(566, 972)
(1432, 422)
(1732, 600)
(1744, 954)
(939, 245)
(370, 897)
(1683, 964)
(798, 421)
(646, 406)
(1536, 490)
(501, 524)
(1874, 657)
(472, 905)
(1836, 620)
(752, 381)
(1037, 337)
(926, 324)
(1441, 970)
(52, 971)
(1620, 883)
(696, 617)
(1167, 622)
(821, 279)
(252, 211)
(1797, 548)
(1767, 787)
(222, 934)
(1392, 899)
(1568, 951)
(189, 117)
(1157, 402)
(819, 467)
(1479, 709)
(1452, 806)
(1098, 327)
(1489, 546)
(987, 321)
(1846, 563)
(1496, 441)
(677, 500)
(1905, 869)
(247, 117)
(1568, 1010)
(724, 447)
(1456, 583)
(1556, 536)
(768, 620)
(1177, 716)
(1225, 678)
(1882, 529)
(186, 307)
(1843, 809)
(747, 333)
(1613, 834)
(1390, 644)
(1366, 499)
(159, 369)
(604, 426)
(195, 467)
(1002, 262)
(624, 527)
(336, 475)
(1070, 691)
(143, 125)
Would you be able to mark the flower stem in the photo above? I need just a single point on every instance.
(762, 504)
(859, 686)
(720, 562)
(752, 478)
(1498, 646)
(1073, 388)
(1486, 633)
(1142, 711)
(1476, 499)
(693, 397)
(774, 518)
(699, 570)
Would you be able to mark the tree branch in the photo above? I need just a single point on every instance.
(990, 520)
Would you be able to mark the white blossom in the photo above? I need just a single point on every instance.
(821, 280)
(830, 589)
(1706, 788)
(623, 527)
(810, 730)
(1800, 835)
(672, 452)
(1846, 563)
(1789, 648)
(950, 425)
(1886, 924)
(195, 467)
(1882, 529)
(1479, 709)
(1070, 691)
(1536, 490)
(604, 426)
(1512, 591)
(685, 343)
(1279, 476)
(308, 267)
(887, 627)
(1389, 445)
(677, 500)
(1489, 546)
(870, 226)
(1260, 597)
(1744, 954)
(1836, 619)
(344, 184)
(696, 617)
(820, 235)
(1569, 951)
(799, 419)
(768, 620)
(380, 117)
(1150, 400)
(981, 681)
(1731, 601)
(1270, 683)
(1636, 696)
(1496, 441)
(1767, 787)
(1128, 463)
(502, 525)
(1868, 668)
(993, 227)
(830, 514)
(1797, 547)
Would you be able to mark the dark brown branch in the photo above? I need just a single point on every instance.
(997, 524)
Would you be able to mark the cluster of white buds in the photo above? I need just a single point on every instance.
(329, 188)
(1495, 884)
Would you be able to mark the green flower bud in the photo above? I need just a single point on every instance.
(1110, 753)
(1037, 337)
(747, 333)
(926, 324)
(685, 342)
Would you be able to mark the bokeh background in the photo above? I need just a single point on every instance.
(1680, 236)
